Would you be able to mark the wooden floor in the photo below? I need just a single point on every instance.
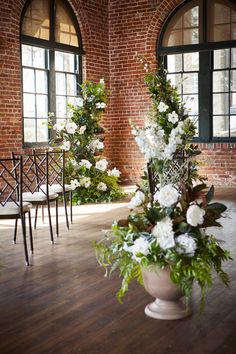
(62, 303)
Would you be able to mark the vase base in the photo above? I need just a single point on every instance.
(167, 310)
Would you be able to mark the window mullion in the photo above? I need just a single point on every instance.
(205, 96)
(52, 86)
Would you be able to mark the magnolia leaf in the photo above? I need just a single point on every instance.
(210, 194)
(219, 207)
(199, 188)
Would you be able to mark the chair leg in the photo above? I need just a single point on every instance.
(66, 213)
(57, 224)
(36, 215)
(30, 232)
(71, 216)
(24, 239)
(15, 231)
(43, 214)
(50, 223)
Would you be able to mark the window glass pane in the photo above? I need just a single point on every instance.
(221, 20)
(71, 85)
(61, 107)
(42, 130)
(64, 28)
(183, 27)
(221, 58)
(64, 62)
(221, 103)
(36, 21)
(176, 81)
(29, 105)
(60, 84)
(41, 82)
(221, 81)
(191, 61)
(71, 100)
(233, 125)
(26, 52)
(233, 58)
(29, 130)
(233, 80)
(232, 103)
(190, 83)
(38, 55)
(174, 63)
(221, 126)
(42, 106)
(28, 80)
(191, 104)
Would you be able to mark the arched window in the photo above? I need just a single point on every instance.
(198, 47)
(51, 56)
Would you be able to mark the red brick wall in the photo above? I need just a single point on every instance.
(113, 33)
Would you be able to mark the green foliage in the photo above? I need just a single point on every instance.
(82, 136)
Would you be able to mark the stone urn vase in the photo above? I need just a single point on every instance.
(169, 304)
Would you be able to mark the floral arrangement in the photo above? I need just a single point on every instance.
(82, 137)
(168, 227)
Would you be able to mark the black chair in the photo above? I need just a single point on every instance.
(56, 179)
(35, 176)
(12, 205)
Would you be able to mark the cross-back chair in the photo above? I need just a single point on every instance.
(12, 205)
(56, 179)
(35, 176)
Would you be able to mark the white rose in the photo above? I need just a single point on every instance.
(102, 186)
(195, 215)
(114, 172)
(82, 129)
(162, 107)
(59, 126)
(164, 233)
(71, 127)
(74, 184)
(137, 200)
(79, 102)
(85, 163)
(140, 246)
(173, 117)
(167, 196)
(185, 244)
(66, 145)
(101, 165)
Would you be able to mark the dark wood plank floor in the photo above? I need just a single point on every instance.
(62, 304)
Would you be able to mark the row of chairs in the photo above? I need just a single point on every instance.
(28, 180)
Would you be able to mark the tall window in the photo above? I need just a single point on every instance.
(198, 48)
(51, 55)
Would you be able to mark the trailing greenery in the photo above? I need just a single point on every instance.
(167, 228)
(82, 136)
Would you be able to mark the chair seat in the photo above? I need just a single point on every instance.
(11, 208)
(57, 188)
(38, 196)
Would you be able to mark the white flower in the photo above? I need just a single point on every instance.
(167, 196)
(195, 215)
(101, 165)
(90, 98)
(102, 81)
(101, 105)
(164, 233)
(85, 181)
(59, 125)
(51, 114)
(141, 245)
(162, 107)
(137, 200)
(66, 145)
(82, 129)
(74, 183)
(85, 163)
(74, 163)
(96, 144)
(79, 102)
(186, 244)
(114, 172)
(71, 127)
(102, 186)
(173, 117)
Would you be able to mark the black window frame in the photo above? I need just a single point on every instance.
(205, 50)
(51, 45)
